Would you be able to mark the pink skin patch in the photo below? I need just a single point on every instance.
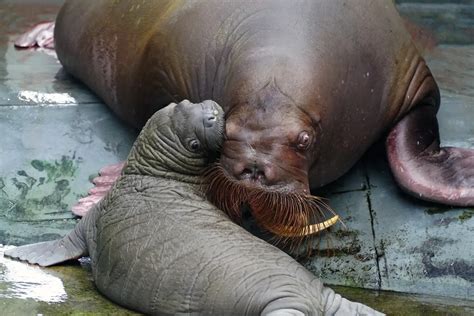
(107, 177)
(41, 35)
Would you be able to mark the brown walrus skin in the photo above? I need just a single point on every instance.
(307, 86)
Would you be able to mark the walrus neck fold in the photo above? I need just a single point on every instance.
(158, 152)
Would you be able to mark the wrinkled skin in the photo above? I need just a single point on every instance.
(307, 86)
(158, 247)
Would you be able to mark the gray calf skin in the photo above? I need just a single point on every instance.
(159, 247)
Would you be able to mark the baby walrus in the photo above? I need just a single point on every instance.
(159, 247)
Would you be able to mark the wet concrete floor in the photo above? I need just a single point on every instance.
(56, 134)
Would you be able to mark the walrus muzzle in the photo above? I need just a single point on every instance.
(287, 215)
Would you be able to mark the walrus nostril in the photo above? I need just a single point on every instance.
(246, 172)
(252, 173)
(209, 120)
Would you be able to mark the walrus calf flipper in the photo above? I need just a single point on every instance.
(423, 168)
(102, 184)
(70, 247)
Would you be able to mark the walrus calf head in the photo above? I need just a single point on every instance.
(178, 141)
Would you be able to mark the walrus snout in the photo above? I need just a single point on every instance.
(210, 117)
(244, 164)
(211, 114)
(213, 123)
(256, 171)
(209, 120)
(208, 112)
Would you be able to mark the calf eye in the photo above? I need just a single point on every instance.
(304, 140)
(194, 144)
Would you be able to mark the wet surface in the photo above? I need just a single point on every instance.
(392, 303)
(69, 290)
(64, 290)
(29, 282)
(56, 135)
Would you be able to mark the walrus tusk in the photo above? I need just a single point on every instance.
(309, 229)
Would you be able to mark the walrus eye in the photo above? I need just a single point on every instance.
(304, 140)
(194, 145)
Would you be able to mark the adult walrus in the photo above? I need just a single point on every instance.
(307, 86)
(159, 247)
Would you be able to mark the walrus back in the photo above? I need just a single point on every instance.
(139, 57)
(101, 46)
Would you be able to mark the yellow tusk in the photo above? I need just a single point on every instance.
(316, 228)
(309, 229)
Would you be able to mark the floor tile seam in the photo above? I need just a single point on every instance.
(372, 226)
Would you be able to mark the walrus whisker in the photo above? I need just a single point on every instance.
(295, 225)
(292, 218)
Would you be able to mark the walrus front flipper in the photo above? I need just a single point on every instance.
(70, 247)
(102, 184)
(42, 35)
(423, 169)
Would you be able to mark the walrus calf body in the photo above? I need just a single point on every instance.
(158, 247)
(307, 86)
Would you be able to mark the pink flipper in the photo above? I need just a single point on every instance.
(98, 190)
(104, 180)
(112, 169)
(107, 177)
(85, 204)
(423, 168)
(41, 35)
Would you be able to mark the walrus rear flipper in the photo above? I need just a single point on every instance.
(423, 169)
(70, 247)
